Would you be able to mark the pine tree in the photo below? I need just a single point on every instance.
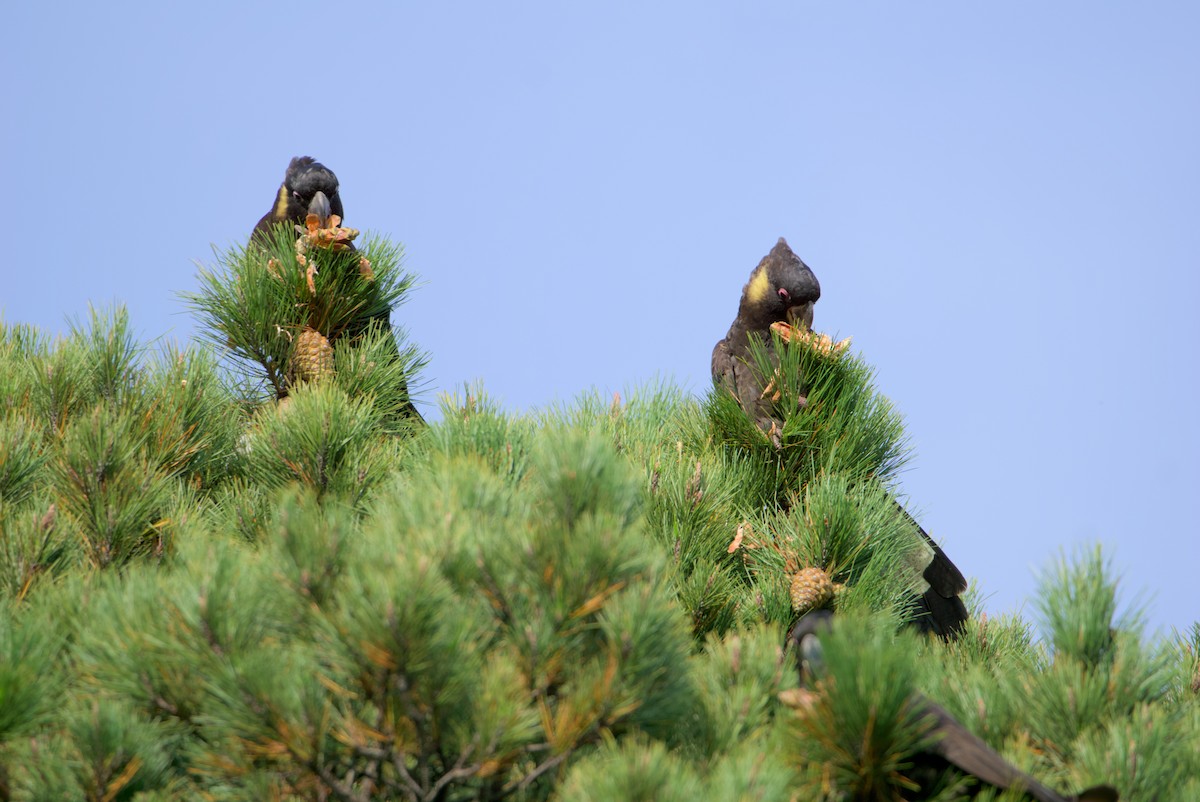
(206, 594)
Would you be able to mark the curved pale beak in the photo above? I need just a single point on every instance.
(319, 205)
(801, 315)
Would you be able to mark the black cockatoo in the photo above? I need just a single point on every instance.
(310, 187)
(784, 289)
(781, 288)
(952, 745)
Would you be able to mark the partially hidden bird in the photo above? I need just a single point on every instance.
(311, 188)
(783, 289)
(780, 288)
(952, 744)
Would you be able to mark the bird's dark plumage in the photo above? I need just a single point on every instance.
(783, 288)
(308, 187)
(780, 288)
(940, 609)
(953, 745)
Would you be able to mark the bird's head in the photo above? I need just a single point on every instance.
(309, 187)
(806, 638)
(781, 288)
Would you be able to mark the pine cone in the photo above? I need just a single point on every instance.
(333, 236)
(811, 588)
(821, 343)
(312, 360)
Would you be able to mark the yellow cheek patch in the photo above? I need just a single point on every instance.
(758, 288)
(282, 204)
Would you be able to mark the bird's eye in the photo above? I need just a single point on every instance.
(296, 195)
(783, 294)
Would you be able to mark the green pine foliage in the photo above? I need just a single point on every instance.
(254, 303)
(833, 421)
(22, 456)
(322, 439)
(864, 725)
(634, 770)
(207, 592)
(741, 678)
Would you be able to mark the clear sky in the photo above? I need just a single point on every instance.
(1000, 200)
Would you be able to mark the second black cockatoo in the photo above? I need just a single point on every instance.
(951, 744)
(784, 289)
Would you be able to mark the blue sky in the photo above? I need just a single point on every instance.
(1000, 201)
